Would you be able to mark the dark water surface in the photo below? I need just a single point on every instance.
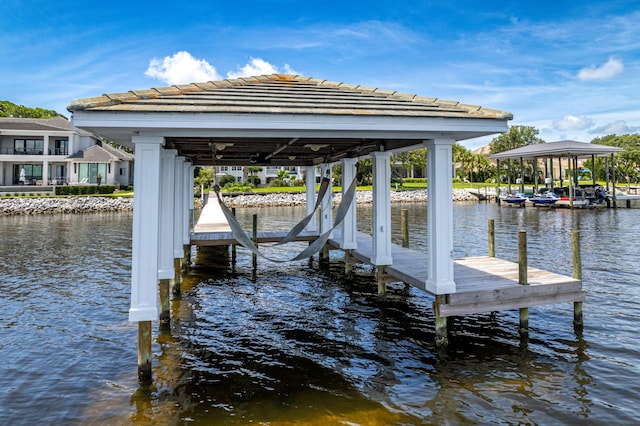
(302, 345)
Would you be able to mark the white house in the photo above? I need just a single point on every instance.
(50, 151)
(262, 177)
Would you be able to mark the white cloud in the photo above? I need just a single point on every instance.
(607, 70)
(258, 66)
(619, 127)
(571, 122)
(181, 68)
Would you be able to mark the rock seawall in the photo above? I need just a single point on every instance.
(15, 206)
(271, 200)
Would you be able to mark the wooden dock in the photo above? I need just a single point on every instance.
(212, 229)
(483, 284)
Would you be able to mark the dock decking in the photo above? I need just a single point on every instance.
(483, 284)
(212, 229)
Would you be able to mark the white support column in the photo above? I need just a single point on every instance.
(146, 204)
(45, 162)
(310, 183)
(326, 217)
(167, 212)
(191, 198)
(381, 209)
(187, 201)
(349, 225)
(179, 208)
(440, 217)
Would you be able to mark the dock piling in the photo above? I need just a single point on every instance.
(577, 274)
(348, 267)
(254, 233)
(523, 279)
(144, 351)
(405, 227)
(442, 340)
(233, 246)
(177, 276)
(492, 238)
(380, 279)
(165, 316)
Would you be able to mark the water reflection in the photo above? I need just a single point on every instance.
(301, 344)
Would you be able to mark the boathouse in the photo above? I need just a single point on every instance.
(295, 120)
(568, 151)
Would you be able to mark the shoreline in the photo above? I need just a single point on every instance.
(52, 205)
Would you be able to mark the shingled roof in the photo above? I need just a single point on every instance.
(281, 119)
(44, 124)
(280, 93)
(101, 154)
(557, 149)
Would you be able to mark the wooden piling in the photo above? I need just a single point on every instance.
(177, 276)
(348, 267)
(492, 238)
(380, 279)
(233, 246)
(577, 274)
(442, 339)
(254, 233)
(186, 257)
(405, 227)
(522, 258)
(165, 315)
(144, 351)
(323, 256)
(522, 278)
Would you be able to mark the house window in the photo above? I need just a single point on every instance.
(26, 174)
(121, 171)
(61, 147)
(89, 171)
(28, 146)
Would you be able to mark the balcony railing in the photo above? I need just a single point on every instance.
(25, 151)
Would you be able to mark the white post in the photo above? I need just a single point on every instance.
(45, 162)
(178, 208)
(348, 226)
(187, 203)
(381, 209)
(440, 217)
(310, 184)
(146, 204)
(167, 212)
(326, 217)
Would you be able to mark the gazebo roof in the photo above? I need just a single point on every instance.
(281, 119)
(557, 149)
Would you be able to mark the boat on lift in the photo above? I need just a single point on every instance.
(544, 198)
(515, 198)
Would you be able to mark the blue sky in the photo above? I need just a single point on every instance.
(569, 68)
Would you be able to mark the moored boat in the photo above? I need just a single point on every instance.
(544, 199)
(516, 198)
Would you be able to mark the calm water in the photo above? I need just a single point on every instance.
(300, 345)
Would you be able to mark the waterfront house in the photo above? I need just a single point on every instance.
(40, 152)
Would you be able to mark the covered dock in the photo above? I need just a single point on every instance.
(577, 192)
(295, 120)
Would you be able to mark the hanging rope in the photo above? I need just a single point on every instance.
(243, 238)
